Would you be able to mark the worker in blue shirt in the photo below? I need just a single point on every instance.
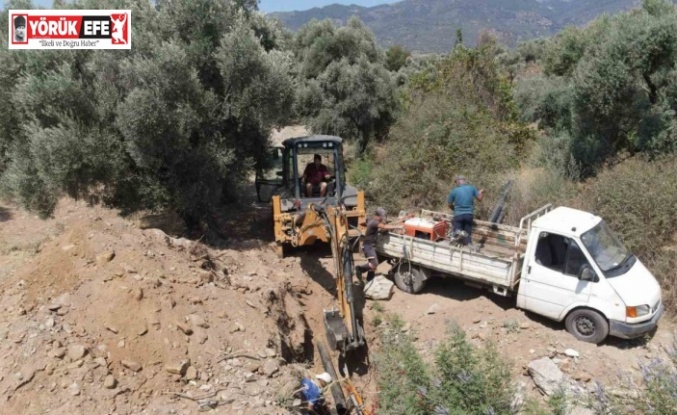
(462, 201)
(311, 391)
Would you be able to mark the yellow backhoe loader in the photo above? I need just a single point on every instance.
(336, 217)
(280, 178)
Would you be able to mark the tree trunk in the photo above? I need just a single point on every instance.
(363, 143)
(653, 90)
(191, 221)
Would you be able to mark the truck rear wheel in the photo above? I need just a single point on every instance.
(409, 278)
(587, 325)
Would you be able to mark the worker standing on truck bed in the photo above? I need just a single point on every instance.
(462, 201)
(376, 223)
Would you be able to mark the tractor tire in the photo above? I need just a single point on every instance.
(587, 325)
(409, 278)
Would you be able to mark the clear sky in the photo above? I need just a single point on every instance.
(289, 5)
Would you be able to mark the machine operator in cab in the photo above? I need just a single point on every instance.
(314, 177)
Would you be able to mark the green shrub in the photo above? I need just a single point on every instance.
(472, 381)
(554, 153)
(610, 85)
(637, 198)
(400, 372)
(555, 404)
(546, 100)
(359, 172)
(459, 117)
(534, 188)
(435, 140)
(462, 380)
(655, 394)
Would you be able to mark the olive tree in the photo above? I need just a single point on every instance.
(175, 122)
(345, 88)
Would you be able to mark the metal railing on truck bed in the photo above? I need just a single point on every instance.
(498, 262)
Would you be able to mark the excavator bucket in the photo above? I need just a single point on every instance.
(337, 332)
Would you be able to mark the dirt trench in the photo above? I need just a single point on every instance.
(295, 334)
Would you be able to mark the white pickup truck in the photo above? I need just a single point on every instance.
(561, 263)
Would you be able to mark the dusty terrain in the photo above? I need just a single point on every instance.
(100, 316)
(522, 337)
(107, 315)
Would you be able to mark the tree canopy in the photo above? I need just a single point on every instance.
(345, 88)
(174, 122)
(610, 86)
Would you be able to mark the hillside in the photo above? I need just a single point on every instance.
(431, 25)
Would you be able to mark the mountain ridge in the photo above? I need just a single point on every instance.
(431, 25)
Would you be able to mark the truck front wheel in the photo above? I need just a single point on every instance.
(587, 325)
(409, 278)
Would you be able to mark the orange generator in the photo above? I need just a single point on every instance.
(425, 229)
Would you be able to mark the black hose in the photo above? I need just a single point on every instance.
(336, 390)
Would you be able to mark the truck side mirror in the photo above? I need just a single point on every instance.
(587, 274)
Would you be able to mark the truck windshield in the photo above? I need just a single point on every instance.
(606, 249)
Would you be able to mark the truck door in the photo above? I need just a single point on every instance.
(552, 283)
(269, 173)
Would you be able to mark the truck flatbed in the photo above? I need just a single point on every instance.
(495, 259)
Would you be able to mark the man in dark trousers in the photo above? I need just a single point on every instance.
(462, 201)
(375, 224)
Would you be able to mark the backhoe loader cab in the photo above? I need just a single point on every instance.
(280, 179)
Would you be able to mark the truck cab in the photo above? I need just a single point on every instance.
(575, 269)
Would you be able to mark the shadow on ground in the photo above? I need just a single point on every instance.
(242, 227)
(310, 263)
(457, 290)
(5, 214)
(623, 344)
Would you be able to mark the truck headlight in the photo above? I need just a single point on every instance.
(637, 311)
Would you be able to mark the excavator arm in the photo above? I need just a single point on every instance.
(343, 325)
(345, 332)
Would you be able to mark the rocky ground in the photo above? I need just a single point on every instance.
(100, 316)
(110, 315)
(543, 354)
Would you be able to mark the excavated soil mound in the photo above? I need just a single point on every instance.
(103, 317)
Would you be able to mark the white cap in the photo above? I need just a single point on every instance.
(326, 377)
